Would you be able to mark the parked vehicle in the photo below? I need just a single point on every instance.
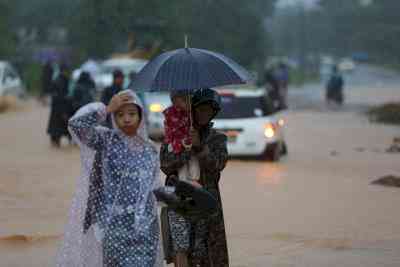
(346, 65)
(102, 71)
(10, 81)
(251, 125)
(247, 118)
(127, 65)
(155, 104)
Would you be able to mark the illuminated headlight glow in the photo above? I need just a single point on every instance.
(281, 122)
(155, 107)
(269, 130)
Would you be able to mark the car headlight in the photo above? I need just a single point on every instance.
(155, 107)
(281, 122)
(269, 130)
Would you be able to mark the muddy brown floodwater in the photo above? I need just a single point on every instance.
(316, 207)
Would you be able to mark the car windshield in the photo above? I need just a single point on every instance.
(107, 69)
(234, 107)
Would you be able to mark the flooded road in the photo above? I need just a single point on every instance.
(314, 208)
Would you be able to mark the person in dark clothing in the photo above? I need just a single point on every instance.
(272, 87)
(199, 241)
(60, 109)
(334, 87)
(109, 92)
(282, 76)
(46, 80)
(84, 91)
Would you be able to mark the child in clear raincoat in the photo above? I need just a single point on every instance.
(113, 219)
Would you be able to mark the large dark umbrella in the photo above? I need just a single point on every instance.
(189, 69)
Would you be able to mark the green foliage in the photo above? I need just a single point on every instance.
(98, 28)
(31, 77)
(7, 40)
(232, 27)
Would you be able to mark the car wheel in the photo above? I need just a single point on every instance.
(273, 152)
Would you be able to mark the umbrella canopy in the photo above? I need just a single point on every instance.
(189, 69)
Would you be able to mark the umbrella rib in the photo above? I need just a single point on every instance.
(196, 64)
(222, 58)
(165, 61)
(212, 79)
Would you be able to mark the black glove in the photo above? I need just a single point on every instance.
(162, 194)
(197, 199)
(187, 199)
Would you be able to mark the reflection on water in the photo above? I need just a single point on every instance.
(302, 241)
(270, 173)
(20, 239)
(285, 249)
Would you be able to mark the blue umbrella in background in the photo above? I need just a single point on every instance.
(189, 69)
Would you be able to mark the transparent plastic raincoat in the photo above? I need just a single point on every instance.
(113, 220)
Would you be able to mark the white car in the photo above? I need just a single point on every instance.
(246, 117)
(103, 74)
(346, 65)
(251, 125)
(155, 104)
(127, 65)
(10, 81)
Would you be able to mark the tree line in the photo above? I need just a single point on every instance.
(98, 28)
(340, 28)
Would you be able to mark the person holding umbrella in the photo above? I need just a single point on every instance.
(197, 239)
(200, 241)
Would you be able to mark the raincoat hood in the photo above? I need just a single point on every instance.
(141, 131)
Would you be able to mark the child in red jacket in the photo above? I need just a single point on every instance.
(177, 125)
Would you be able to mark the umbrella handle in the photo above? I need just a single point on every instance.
(189, 111)
(190, 127)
